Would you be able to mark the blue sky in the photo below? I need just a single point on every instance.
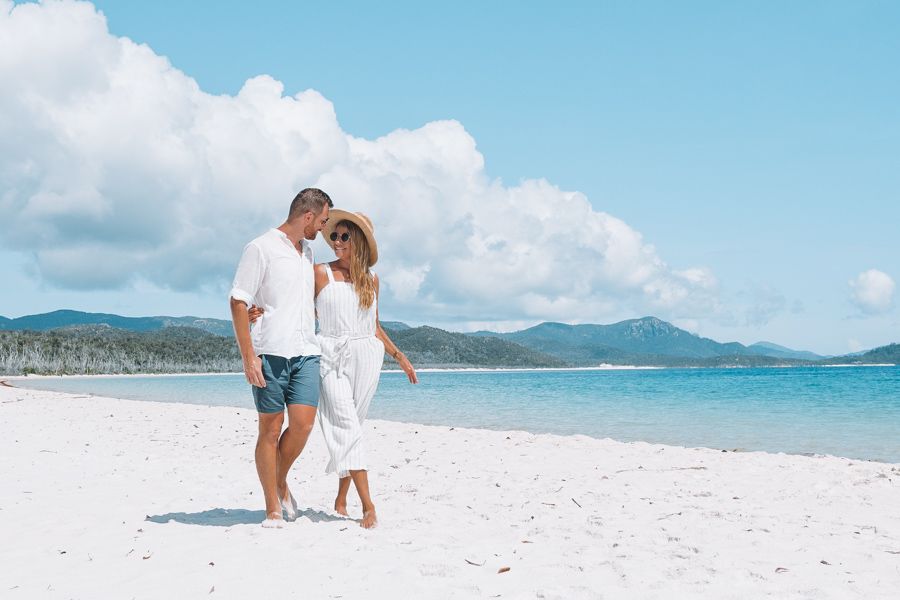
(759, 141)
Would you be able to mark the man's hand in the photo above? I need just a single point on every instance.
(252, 363)
(255, 313)
(253, 372)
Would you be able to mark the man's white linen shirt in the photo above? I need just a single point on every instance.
(276, 277)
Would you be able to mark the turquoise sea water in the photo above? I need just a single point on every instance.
(853, 412)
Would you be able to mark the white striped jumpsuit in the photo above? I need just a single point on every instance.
(350, 367)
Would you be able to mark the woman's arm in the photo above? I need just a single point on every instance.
(321, 277)
(390, 347)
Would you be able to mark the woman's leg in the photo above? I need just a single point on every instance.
(340, 502)
(367, 370)
(342, 432)
(361, 481)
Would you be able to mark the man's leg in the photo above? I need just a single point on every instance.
(301, 419)
(302, 395)
(267, 460)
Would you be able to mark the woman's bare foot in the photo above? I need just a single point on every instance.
(369, 519)
(340, 507)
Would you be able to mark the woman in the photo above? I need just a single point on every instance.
(353, 346)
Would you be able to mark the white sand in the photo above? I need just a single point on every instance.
(80, 474)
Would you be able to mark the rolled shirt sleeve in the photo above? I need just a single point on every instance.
(249, 275)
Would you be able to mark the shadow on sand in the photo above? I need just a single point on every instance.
(226, 517)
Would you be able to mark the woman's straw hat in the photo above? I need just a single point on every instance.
(337, 215)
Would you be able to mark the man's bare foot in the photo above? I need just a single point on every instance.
(341, 507)
(288, 504)
(273, 521)
(369, 519)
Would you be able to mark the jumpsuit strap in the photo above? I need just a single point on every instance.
(329, 273)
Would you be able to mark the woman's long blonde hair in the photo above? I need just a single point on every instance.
(362, 279)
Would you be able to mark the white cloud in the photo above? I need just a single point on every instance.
(689, 325)
(115, 167)
(765, 304)
(872, 292)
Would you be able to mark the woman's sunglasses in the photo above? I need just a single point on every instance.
(344, 237)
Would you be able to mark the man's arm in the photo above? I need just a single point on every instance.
(252, 363)
(246, 285)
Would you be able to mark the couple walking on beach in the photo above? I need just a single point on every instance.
(280, 289)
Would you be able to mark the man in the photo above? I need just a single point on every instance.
(281, 356)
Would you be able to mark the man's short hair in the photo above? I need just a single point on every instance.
(309, 200)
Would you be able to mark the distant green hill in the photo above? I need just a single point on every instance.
(429, 346)
(889, 354)
(587, 344)
(646, 341)
(770, 349)
(66, 318)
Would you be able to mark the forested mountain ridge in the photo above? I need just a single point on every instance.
(69, 318)
(644, 338)
(431, 346)
(99, 349)
(889, 354)
(115, 344)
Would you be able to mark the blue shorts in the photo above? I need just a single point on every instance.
(288, 381)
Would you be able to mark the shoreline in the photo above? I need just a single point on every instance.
(470, 512)
(422, 370)
(4, 383)
(468, 370)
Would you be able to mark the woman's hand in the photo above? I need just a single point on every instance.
(391, 348)
(254, 313)
(407, 367)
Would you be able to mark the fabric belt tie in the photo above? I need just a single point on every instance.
(342, 350)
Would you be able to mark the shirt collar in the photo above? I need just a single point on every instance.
(304, 244)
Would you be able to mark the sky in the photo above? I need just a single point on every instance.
(733, 168)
